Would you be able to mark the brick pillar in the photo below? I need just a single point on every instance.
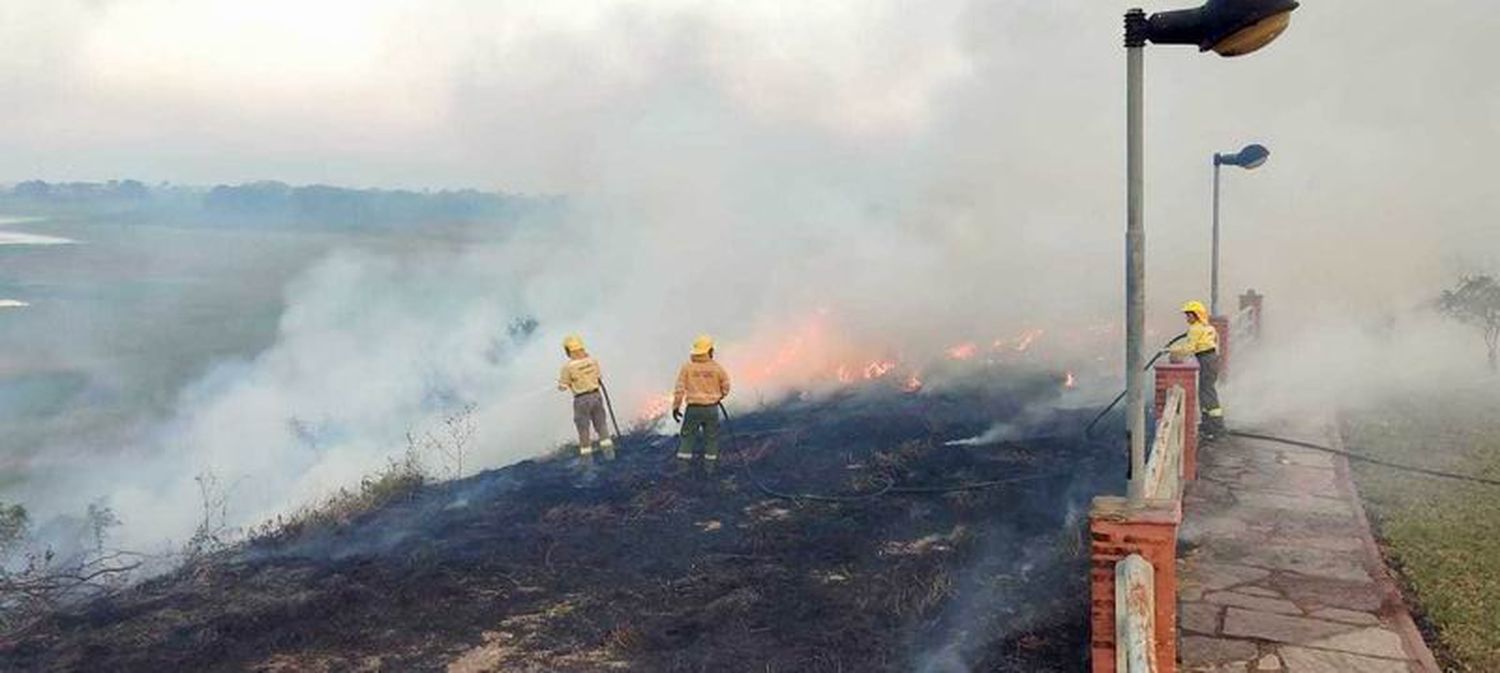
(1117, 530)
(1221, 323)
(1252, 299)
(1183, 374)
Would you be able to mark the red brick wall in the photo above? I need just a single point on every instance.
(1183, 374)
(1117, 530)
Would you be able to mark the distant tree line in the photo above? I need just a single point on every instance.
(271, 202)
(337, 205)
(114, 190)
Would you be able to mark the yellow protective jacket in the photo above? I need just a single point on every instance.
(1201, 338)
(700, 382)
(580, 376)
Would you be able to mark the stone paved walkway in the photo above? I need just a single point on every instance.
(1278, 570)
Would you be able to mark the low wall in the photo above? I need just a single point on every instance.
(1128, 539)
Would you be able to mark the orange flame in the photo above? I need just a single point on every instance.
(655, 407)
(1024, 341)
(879, 368)
(963, 351)
(816, 351)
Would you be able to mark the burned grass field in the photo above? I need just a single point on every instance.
(843, 533)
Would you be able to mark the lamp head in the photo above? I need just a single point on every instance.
(1254, 36)
(1227, 27)
(1249, 158)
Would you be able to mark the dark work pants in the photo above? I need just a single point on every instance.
(1208, 390)
(700, 420)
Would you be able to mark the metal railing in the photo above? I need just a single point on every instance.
(1164, 467)
(1135, 616)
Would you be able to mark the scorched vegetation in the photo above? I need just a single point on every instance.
(924, 556)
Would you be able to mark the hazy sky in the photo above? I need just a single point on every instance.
(976, 145)
(419, 92)
(407, 92)
(1380, 122)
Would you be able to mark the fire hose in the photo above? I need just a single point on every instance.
(611, 408)
(889, 485)
(1350, 455)
(1357, 456)
(1089, 431)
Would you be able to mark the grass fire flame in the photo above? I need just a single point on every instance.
(814, 354)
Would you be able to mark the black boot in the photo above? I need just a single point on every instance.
(1213, 428)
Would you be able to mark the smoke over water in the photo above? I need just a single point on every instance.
(803, 211)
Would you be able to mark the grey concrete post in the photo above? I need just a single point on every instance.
(1135, 252)
(1213, 297)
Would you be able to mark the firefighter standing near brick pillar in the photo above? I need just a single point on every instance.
(702, 384)
(581, 376)
(1203, 342)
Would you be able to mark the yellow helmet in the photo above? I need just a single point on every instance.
(703, 344)
(572, 343)
(1196, 308)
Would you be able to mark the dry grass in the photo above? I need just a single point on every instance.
(866, 481)
(920, 595)
(898, 458)
(653, 501)
(399, 480)
(625, 639)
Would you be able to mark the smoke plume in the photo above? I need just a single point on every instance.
(903, 178)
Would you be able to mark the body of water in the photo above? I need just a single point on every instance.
(103, 322)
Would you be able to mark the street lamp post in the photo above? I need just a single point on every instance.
(1229, 28)
(1249, 158)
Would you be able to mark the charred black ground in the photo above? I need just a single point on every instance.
(543, 567)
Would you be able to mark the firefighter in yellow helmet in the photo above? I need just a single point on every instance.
(1203, 342)
(581, 376)
(702, 384)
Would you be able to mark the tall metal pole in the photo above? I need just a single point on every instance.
(1135, 252)
(1213, 297)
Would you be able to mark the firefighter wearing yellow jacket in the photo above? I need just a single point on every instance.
(581, 377)
(702, 384)
(1203, 342)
